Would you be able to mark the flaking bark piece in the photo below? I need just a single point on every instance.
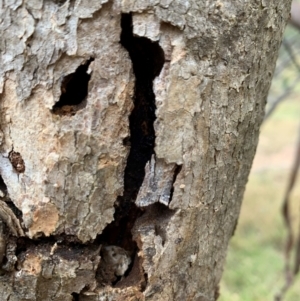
(7, 215)
(157, 184)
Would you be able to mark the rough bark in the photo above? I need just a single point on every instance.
(128, 129)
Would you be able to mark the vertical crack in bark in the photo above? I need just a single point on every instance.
(176, 172)
(147, 61)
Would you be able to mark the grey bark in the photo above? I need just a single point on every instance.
(92, 208)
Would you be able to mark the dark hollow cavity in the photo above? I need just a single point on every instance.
(74, 90)
(75, 297)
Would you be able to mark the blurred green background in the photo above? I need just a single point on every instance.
(255, 259)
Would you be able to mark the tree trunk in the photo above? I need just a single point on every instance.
(128, 130)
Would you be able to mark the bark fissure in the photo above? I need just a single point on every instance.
(176, 172)
(74, 90)
(147, 61)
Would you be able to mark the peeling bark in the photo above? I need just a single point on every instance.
(128, 130)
